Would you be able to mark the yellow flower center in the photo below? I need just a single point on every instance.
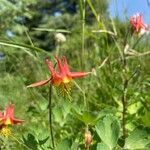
(5, 131)
(66, 80)
(8, 121)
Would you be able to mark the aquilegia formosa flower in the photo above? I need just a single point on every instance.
(61, 77)
(7, 118)
(137, 24)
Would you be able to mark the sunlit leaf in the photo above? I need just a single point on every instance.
(52, 30)
(21, 46)
(102, 146)
(146, 118)
(65, 144)
(86, 117)
(108, 130)
(138, 139)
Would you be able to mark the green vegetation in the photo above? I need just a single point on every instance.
(112, 102)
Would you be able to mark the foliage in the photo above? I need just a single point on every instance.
(28, 29)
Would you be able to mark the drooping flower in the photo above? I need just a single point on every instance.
(61, 77)
(7, 118)
(137, 24)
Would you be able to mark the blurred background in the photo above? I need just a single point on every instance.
(28, 30)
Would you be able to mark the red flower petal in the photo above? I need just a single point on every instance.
(40, 83)
(66, 66)
(60, 66)
(8, 117)
(50, 66)
(17, 121)
(9, 111)
(78, 74)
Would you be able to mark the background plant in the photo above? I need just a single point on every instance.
(26, 25)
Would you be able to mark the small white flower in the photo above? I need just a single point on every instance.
(60, 38)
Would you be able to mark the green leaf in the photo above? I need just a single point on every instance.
(58, 115)
(21, 46)
(81, 8)
(41, 142)
(138, 139)
(86, 117)
(133, 108)
(93, 9)
(108, 130)
(52, 30)
(65, 144)
(102, 146)
(145, 118)
(30, 141)
(95, 14)
(75, 146)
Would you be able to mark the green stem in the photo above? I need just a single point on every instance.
(57, 49)
(83, 34)
(124, 103)
(138, 40)
(125, 87)
(83, 93)
(50, 117)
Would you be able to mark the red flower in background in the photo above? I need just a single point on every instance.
(61, 77)
(137, 23)
(7, 118)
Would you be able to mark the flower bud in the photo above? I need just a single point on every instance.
(60, 38)
(87, 138)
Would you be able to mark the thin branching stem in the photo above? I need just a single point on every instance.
(124, 100)
(125, 86)
(126, 80)
(83, 93)
(50, 117)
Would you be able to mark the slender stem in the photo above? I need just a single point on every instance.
(57, 49)
(138, 40)
(125, 87)
(83, 34)
(126, 80)
(124, 103)
(50, 117)
(83, 93)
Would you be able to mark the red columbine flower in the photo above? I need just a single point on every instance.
(7, 118)
(137, 23)
(61, 77)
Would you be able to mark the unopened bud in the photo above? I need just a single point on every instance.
(60, 38)
(87, 138)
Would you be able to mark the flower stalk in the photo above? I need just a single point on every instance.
(83, 33)
(125, 81)
(50, 117)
